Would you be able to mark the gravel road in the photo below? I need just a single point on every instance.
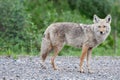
(29, 68)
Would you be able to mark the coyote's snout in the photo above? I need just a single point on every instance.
(78, 35)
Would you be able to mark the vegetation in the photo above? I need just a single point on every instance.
(22, 23)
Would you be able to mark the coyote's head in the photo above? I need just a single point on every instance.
(102, 26)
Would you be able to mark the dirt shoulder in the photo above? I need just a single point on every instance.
(30, 68)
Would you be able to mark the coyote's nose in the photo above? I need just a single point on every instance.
(101, 32)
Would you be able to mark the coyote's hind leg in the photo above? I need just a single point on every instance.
(56, 49)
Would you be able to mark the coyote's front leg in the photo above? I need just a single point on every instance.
(84, 52)
(88, 59)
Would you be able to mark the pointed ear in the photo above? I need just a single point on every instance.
(96, 19)
(108, 19)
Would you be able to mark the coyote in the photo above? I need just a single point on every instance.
(78, 35)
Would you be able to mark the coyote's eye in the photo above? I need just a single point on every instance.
(99, 26)
(104, 26)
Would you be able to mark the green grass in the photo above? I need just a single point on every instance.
(67, 51)
(98, 51)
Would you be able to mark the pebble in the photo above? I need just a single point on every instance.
(30, 68)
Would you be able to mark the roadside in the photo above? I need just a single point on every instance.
(29, 68)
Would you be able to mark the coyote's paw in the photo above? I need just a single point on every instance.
(43, 66)
(56, 68)
(81, 71)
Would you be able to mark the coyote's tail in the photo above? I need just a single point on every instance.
(46, 46)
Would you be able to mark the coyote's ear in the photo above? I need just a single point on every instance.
(108, 19)
(96, 19)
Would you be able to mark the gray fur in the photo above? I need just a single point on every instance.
(74, 34)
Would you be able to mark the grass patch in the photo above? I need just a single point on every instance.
(98, 51)
(67, 51)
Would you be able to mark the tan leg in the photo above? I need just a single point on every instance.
(88, 59)
(56, 51)
(44, 55)
(84, 52)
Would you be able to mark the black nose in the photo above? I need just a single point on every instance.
(101, 32)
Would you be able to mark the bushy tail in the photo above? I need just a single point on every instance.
(45, 48)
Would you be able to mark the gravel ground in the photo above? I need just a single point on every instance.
(29, 68)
